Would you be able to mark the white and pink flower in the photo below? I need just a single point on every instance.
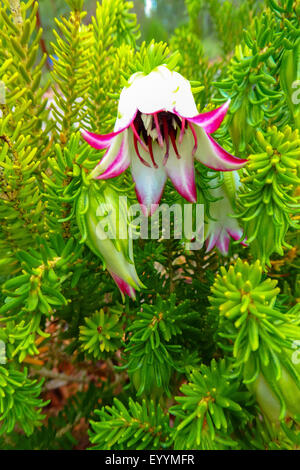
(158, 133)
(222, 227)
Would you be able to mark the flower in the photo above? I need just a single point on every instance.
(158, 133)
(104, 216)
(271, 403)
(221, 227)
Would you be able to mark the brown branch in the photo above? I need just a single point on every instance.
(61, 376)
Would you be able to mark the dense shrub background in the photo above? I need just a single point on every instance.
(197, 361)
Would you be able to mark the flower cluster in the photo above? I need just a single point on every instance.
(158, 134)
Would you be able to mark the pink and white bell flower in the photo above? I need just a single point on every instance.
(221, 228)
(158, 133)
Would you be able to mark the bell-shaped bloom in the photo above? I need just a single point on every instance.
(104, 225)
(221, 227)
(158, 133)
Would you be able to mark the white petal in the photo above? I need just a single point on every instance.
(112, 153)
(212, 155)
(210, 121)
(128, 102)
(160, 90)
(152, 93)
(149, 181)
(183, 101)
(181, 171)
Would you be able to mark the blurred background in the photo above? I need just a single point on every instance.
(158, 19)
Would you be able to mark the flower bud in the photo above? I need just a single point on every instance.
(269, 401)
(102, 217)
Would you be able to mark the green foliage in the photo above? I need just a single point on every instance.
(36, 292)
(208, 409)
(252, 78)
(263, 436)
(230, 19)
(152, 356)
(251, 334)
(245, 306)
(71, 71)
(68, 167)
(151, 56)
(267, 200)
(193, 64)
(24, 133)
(21, 208)
(289, 76)
(138, 426)
(21, 72)
(57, 434)
(19, 401)
(222, 346)
(103, 333)
(114, 35)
